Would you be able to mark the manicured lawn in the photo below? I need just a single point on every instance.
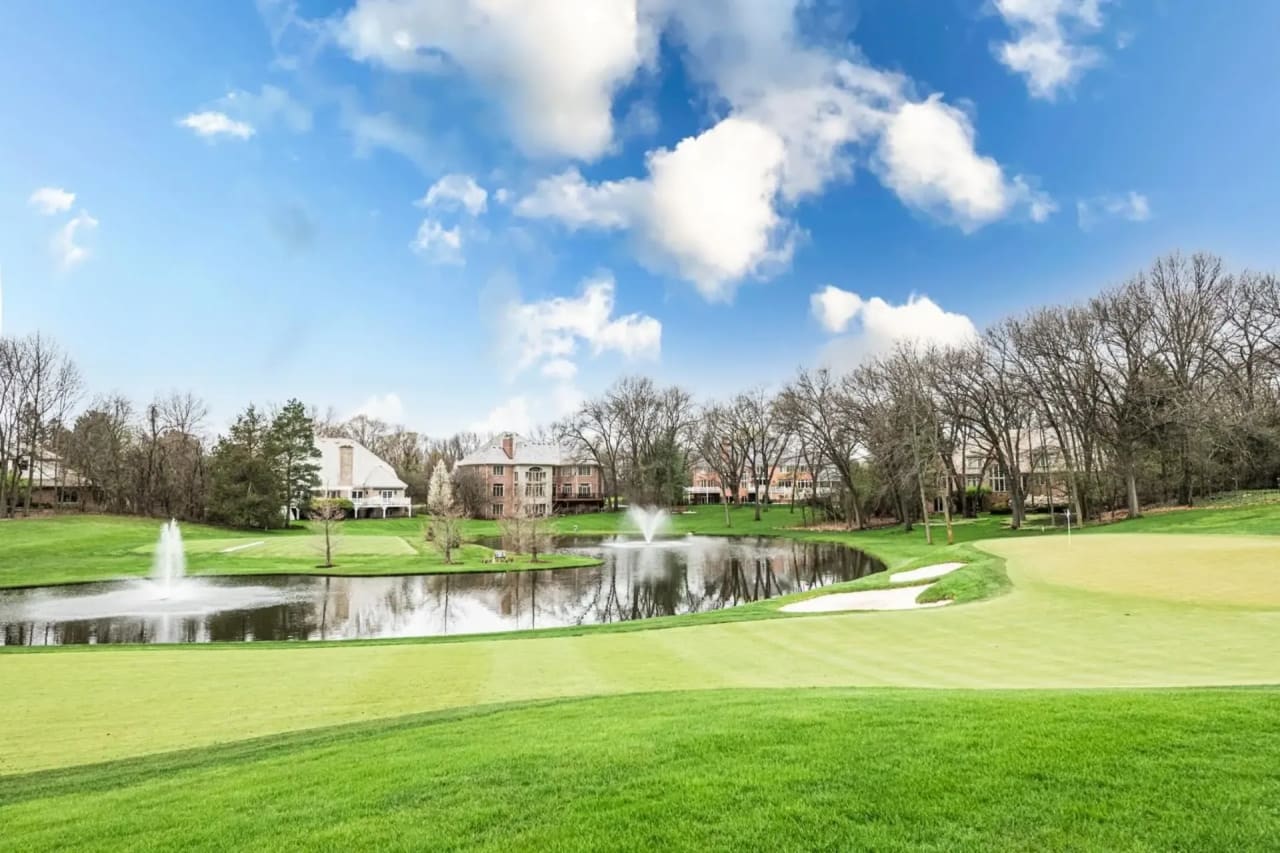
(74, 548)
(738, 731)
(100, 703)
(731, 770)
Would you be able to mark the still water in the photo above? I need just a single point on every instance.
(686, 575)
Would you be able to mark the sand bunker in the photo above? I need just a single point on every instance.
(928, 573)
(901, 598)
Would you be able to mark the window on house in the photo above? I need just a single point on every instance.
(584, 470)
(495, 510)
(499, 470)
(357, 494)
(388, 494)
(536, 475)
(584, 490)
(972, 481)
(535, 490)
(497, 490)
(566, 489)
(999, 483)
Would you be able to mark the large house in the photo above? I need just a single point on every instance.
(352, 471)
(534, 478)
(705, 486)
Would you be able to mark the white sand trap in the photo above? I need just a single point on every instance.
(235, 548)
(901, 598)
(928, 573)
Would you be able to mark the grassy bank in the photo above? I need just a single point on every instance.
(777, 770)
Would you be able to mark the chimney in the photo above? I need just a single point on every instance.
(344, 465)
(508, 445)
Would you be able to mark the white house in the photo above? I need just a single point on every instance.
(350, 470)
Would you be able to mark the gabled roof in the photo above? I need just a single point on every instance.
(523, 453)
(368, 471)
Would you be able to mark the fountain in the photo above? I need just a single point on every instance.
(649, 521)
(170, 561)
(167, 593)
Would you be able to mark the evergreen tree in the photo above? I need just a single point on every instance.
(244, 481)
(291, 444)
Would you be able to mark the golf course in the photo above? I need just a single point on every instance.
(1114, 690)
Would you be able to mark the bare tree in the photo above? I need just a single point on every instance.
(722, 447)
(327, 514)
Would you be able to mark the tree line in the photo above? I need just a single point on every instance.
(1161, 389)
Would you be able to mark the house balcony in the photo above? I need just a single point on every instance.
(379, 507)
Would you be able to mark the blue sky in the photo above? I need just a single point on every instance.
(236, 198)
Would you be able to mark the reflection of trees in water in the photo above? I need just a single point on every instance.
(630, 583)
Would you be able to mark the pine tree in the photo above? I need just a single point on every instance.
(244, 482)
(291, 444)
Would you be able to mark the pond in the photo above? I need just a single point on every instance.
(634, 581)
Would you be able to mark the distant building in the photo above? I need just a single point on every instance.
(53, 484)
(539, 479)
(705, 486)
(351, 471)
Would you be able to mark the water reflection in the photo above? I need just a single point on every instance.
(704, 573)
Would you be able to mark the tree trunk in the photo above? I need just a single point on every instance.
(1131, 483)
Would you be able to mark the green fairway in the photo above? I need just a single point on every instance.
(761, 770)
(325, 744)
(93, 704)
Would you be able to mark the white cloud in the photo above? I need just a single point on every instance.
(559, 368)
(1045, 48)
(927, 157)
(211, 124)
(384, 407)
(441, 245)
(66, 250)
(551, 330)
(707, 208)
(459, 190)
(51, 200)
(270, 105)
(553, 65)
(881, 325)
(1131, 207)
(524, 412)
(834, 308)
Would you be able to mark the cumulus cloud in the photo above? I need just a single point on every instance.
(795, 113)
(875, 326)
(212, 124)
(705, 210)
(927, 157)
(51, 200)
(553, 330)
(1046, 47)
(1130, 207)
(524, 412)
(66, 250)
(383, 407)
(554, 66)
(439, 244)
(456, 191)
(834, 308)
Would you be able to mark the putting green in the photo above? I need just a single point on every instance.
(1241, 571)
(82, 706)
(297, 546)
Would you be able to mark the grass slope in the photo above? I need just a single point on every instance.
(762, 770)
(94, 704)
